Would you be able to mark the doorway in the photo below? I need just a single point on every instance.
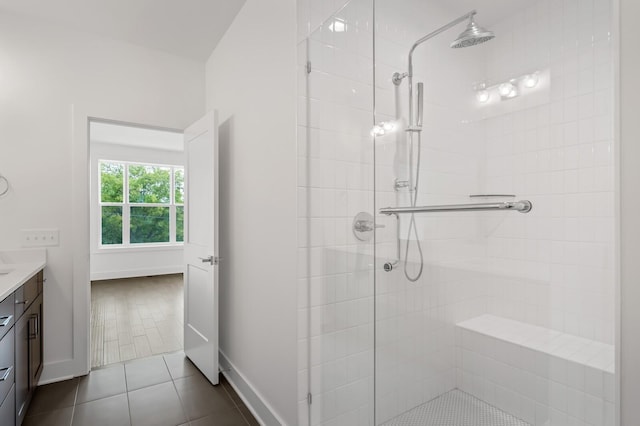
(136, 240)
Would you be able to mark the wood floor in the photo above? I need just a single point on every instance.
(135, 318)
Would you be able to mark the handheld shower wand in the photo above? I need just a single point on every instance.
(420, 106)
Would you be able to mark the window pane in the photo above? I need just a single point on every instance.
(111, 225)
(149, 225)
(179, 182)
(180, 223)
(111, 182)
(149, 184)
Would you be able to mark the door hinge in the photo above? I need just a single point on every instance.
(308, 67)
(309, 399)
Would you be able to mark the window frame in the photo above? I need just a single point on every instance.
(126, 205)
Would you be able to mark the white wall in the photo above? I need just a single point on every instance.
(251, 82)
(113, 262)
(43, 71)
(136, 262)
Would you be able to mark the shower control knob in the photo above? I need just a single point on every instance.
(388, 267)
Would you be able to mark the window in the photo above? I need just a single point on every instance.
(141, 204)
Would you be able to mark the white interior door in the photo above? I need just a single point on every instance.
(201, 246)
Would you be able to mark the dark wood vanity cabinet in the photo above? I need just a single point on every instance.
(21, 350)
(35, 342)
(22, 368)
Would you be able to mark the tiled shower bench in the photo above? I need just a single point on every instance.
(542, 376)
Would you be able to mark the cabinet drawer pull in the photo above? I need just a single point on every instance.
(5, 376)
(33, 328)
(24, 302)
(5, 320)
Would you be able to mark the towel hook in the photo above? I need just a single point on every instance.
(4, 186)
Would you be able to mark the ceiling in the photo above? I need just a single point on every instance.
(188, 28)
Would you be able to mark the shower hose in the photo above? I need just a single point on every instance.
(412, 222)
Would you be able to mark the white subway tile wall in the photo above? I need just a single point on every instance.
(551, 268)
(555, 266)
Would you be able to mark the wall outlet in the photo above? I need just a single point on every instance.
(40, 237)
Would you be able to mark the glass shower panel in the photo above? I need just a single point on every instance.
(496, 316)
(335, 185)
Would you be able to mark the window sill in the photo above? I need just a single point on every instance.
(139, 248)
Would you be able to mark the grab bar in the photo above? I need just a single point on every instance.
(523, 206)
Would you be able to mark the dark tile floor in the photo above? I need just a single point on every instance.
(158, 391)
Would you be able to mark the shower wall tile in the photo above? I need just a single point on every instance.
(561, 157)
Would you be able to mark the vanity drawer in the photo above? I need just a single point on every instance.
(7, 315)
(25, 295)
(7, 365)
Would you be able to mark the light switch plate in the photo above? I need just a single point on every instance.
(40, 237)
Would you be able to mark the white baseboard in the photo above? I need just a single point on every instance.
(259, 407)
(113, 275)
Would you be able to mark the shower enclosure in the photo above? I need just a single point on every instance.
(456, 213)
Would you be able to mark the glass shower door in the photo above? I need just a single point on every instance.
(497, 316)
(335, 159)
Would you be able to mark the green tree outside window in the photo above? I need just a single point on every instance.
(111, 182)
(145, 184)
(149, 184)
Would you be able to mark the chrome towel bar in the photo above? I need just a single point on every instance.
(523, 206)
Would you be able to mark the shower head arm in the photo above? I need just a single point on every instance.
(432, 34)
(409, 74)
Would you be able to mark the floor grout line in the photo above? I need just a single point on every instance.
(243, 416)
(75, 400)
(235, 404)
(227, 392)
(129, 406)
(173, 382)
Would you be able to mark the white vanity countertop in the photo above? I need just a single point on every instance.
(17, 266)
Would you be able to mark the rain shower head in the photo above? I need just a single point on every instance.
(472, 35)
